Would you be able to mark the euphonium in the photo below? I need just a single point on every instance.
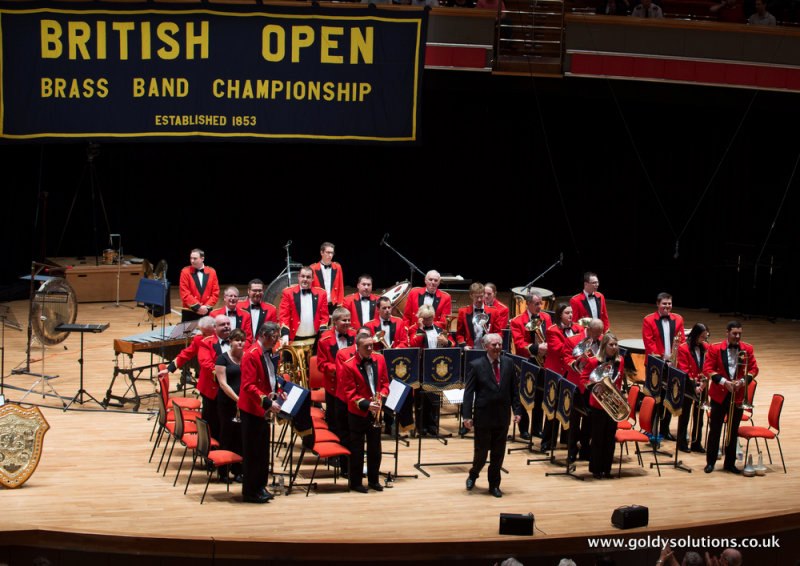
(535, 325)
(604, 391)
(292, 363)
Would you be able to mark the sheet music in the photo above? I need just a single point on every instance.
(292, 398)
(454, 396)
(396, 390)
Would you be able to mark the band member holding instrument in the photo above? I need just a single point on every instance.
(490, 300)
(332, 341)
(394, 329)
(259, 310)
(228, 372)
(590, 303)
(363, 304)
(578, 351)
(691, 357)
(365, 381)
(490, 394)
(428, 335)
(603, 427)
(257, 400)
(205, 327)
(429, 295)
(199, 287)
(238, 317)
(727, 364)
(557, 336)
(475, 320)
(328, 275)
(528, 331)
(303, 312)
(660, 331)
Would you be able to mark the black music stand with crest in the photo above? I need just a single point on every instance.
(566, 398)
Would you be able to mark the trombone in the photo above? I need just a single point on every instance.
(739, 380)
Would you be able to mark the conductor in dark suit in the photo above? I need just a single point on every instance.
(492, 390)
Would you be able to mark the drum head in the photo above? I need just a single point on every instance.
(272, 294)
(398, 295)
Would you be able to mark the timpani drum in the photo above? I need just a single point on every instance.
(520, 293)
(398, 295)
(635, 360)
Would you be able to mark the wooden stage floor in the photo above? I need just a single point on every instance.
(95, 491)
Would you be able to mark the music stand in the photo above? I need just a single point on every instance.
(6, 318)
(403, 366)
(673, 401)
(654, 386)
(83, 329)
(119, 267)
(530, 379)
(566, 397)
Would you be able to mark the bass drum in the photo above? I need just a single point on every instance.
(398, 295)
(520, 294)
(272, 294)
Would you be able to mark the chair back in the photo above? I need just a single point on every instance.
(179, 426)
(163, 386)
(633, 396)
(316, 379)
(646, 414)
(751, 391)
(203, 438)
(775, 408)
(162, 411)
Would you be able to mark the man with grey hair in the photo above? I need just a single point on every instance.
(428, 295)
(491, 392)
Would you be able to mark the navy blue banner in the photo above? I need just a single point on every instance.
(654, 378)
(676, 386)
(528, 383)
(441, 367)
(403, 365)
(550, 401)
(272, 73)
(566, 402)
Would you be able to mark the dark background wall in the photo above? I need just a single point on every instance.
(509, 173)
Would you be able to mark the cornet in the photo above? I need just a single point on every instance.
(379, 413)
(380, 338)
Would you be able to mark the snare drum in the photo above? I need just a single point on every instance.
(398, 295)
(521, 293)
(110, 257)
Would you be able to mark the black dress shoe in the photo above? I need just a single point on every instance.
(525, 435)
(265, 494)
(238, 478)
(432, 431)
(537, 433)
(463, 431)
(376, 486)
(545, 447)
(684, 448)
(669, 437)
(571, 458)
(254, 499)
(496, 491)
(709, 468)
(358, 489)
(470, 483)
(608, 476)
(698, 448)
(732, 469)
(597, 476)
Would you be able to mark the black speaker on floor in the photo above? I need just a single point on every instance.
(516, 524)
(630, 517)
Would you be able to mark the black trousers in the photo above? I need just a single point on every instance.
(718, 413)
(533, 426)
(230, 437)
(489, 438)
(693, 411)
(340, 416)
(360, 429)
(255, 451)
(604, 429)
(580, 427)
(427, 405)
(211, 416)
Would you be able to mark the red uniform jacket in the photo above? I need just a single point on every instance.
(569, 359)
(653, 333)
(688, 363)
(580, 308)
(289, 312)
(255, 380)
(502, 314)
(327, 347)
(207, 355)
(523, 339)
(194, 298)
(465, 331)
(353, 304)
(268, 314)
(618, 373)
(337, 282)
(716, 367)
(355, 383)
(556, 341)
(442, 304)
(243, 322)
(189, 352)
(398, 332)
(420, 340)
(341, 357)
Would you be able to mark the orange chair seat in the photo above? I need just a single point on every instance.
(319, 423)
(190, 441)
(317, 395)
(188, 427)
(185, 403)
(329, 450)
(317, 412)
(630, 436)
(224, 458)
(624, 425)
(323, 435)
(756, 432)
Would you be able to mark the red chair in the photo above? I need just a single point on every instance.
(176, 429)
(645, 423)
(214, 459)
(772, 432)
(185, 402)
(188, 440)
(633, 395)
(316, 382)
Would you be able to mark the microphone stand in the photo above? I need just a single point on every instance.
(411, 266)
(559, 261)
(119, 267)
(288, 264)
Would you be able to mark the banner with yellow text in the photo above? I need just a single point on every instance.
(278, 73)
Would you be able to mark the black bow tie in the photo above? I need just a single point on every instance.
(665, 317)
(590, 296)
(199, 270)
(224, 342)
(325, 266)
(305, 291)
(428, 328)
(733, 346)
(478, 310)
(231, 313)
(386, 322)
(255, 307)
(365, 298)
(431, 295)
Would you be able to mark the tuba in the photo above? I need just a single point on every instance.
(535, 326)
(604, 391)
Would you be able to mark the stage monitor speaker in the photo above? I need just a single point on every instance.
(630, 517)
(516, 524)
